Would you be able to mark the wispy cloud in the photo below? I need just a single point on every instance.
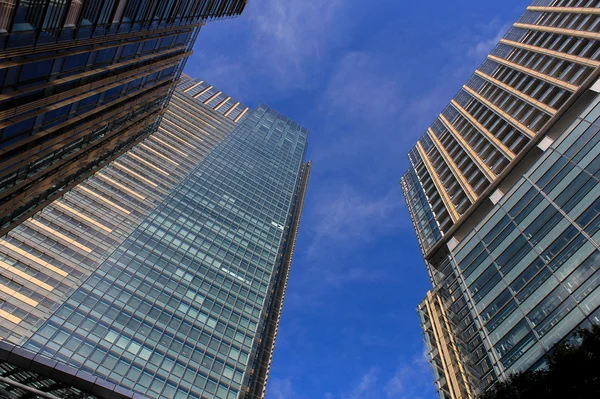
(478, 41)
(362, 87)
(412, 379)
(345, 216)
(363, 106)
(290, 35)
(366, 386)
(281, 389)
(276, 48)
(489, 35)
(341, 224)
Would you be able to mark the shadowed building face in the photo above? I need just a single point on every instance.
(82, 82)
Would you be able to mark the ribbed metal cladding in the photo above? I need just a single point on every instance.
(541, 63)
(72, 73)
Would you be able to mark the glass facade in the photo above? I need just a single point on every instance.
(451, 373)
(67, 70)
(179, 308)
(48, 255)
(531, 268)
(421, 212)
(539, 68)
(502, 192)
(24, 375)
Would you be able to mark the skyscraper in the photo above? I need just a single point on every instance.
(503, 194)
(168, 267)
(82, 82)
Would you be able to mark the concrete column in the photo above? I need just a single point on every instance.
(73, 13)
(6, 10)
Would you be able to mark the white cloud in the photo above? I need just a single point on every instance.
(341, 223)
(477, 42)
(362, 87)
(411, 380)
(216, 68)
(367, 385)
(274, 46)
(346, 216)
(288, 36)
(280, 389)
(487, 39)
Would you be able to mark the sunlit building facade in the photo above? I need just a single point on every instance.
(82, 81)
(503, 194)
(167, 268)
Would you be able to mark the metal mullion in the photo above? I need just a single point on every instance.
(161, 10)
(171, 17)
(194, 8)
(221, 7)
(131, 4)
(110, 14)
(151, 13)
(39, 32)
(85, 6)
(167, 11)
(212, 12)
(98, 15)
(64, 18)
(206, 6)
(30, 14)
(179, 8)
(92, 9)
(144, 11)
(13, 17)
(194, 34)
(114, 13)
(51, 17)
(138, 15)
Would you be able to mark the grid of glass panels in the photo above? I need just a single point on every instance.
(79, 81)
(49, 21)
(74, 110)
(423, 218)
(175, 311)
(524, 82)
(531, 269)
(469, 343)
(115, 200)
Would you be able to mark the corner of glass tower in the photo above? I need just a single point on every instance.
(82, 82)
(163, 274)
(503, 194)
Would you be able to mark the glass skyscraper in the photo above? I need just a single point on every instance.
(164, 273)
(503, 192)
(82, 81)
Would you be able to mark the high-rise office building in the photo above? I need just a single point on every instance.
(503, 194)
(82, 81)
(163, 273)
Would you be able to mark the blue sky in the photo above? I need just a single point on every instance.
(366, 78)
